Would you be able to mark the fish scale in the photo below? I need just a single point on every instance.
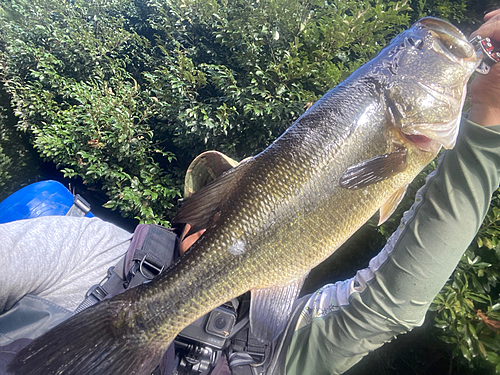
(274, 217)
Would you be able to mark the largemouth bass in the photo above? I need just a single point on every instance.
(274, 217)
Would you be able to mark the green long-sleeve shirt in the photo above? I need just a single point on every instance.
(342, 322)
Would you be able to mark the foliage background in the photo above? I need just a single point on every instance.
(121, 95)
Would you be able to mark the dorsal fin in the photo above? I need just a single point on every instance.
(202, 209)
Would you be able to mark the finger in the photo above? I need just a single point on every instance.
(491, 14)
(490, 29)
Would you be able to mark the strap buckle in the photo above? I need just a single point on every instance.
(149, 268)
(80, 207)
(97, 291)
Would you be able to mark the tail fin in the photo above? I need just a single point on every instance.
(88, 343)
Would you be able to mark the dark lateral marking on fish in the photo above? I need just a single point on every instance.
(374, 170)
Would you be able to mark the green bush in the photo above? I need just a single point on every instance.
(65, 67)
(19, 164)
(114, 91)
(468, 307)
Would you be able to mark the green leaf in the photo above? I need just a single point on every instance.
(482, 349)
(479, 241)
(472, 330)
(465, 352)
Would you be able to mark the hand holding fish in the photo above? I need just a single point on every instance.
(485, 89)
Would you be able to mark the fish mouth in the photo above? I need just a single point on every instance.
(432, 136)
(433, 142)
(451, 42)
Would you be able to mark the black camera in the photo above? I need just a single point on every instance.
(199, 345)
(212, 329)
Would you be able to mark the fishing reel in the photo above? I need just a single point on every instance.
(490, 55)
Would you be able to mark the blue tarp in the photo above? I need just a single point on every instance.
(42, 198)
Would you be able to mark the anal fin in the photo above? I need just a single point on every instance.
(391, 204)
(270, 308)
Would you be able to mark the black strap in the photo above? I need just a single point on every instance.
(246, 357)
(249, 356)
(150, 257)
(155, 253)
(242, 363)
(244, 341)
(109, 286)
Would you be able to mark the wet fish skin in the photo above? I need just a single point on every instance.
(274, 217)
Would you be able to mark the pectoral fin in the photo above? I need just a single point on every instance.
(391, 204)
(374, 170)
(270, 308)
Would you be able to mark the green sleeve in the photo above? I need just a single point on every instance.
(343, 322)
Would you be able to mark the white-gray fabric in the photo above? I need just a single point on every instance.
(57, 258)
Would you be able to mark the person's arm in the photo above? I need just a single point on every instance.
(343, 322)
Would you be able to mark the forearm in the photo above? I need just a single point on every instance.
(484, 115)
(343, 322)
(453, 205)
